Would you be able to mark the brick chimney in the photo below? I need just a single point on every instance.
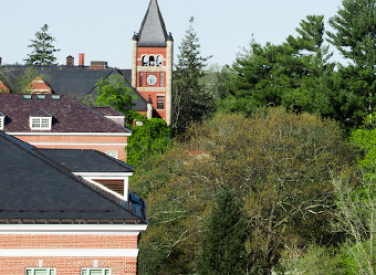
(81, 59)
(70, 61)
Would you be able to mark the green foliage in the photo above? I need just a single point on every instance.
(115, 93)
(279, 164)
(191, 102)
(354, 37)
(148, 141)
(294, 75)
(21, 83)
(42, 54)
(314, 260)
(223, 249)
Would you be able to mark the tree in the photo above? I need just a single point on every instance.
(279, 164)
(292, 74)
(42, 54)
(115, 93)
(19, 81)
(148, 141)
(223, 245)
(355, 38)
(191, 102)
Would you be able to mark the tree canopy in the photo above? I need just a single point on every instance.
(280, 164)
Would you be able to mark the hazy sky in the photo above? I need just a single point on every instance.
(103, 30)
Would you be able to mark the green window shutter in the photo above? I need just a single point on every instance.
(107, 272)
(96, 272)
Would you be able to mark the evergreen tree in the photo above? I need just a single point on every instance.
(223, 247)
(355, 38)
(191, 101)
(42, 54)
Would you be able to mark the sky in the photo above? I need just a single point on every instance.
(103, 30)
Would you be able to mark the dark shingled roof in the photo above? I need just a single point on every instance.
(95, 161)
(36, 189)
(153, 29)
(69, 116)
(73, 81)
(106, 111)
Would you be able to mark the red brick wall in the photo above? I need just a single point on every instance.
(81, 139)
(31, 241)
(68, 265)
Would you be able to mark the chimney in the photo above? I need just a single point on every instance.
(70, 61)
(81, 59)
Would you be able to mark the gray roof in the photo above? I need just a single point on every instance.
(95, 161)
(68, 115)
(37, 189)
(73, 81)
(153, 29)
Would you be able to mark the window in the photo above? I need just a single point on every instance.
(112, 153)
(96, 271)
(140, 80)
(151, 61)
(40, 123)
(161, 80)
(40, 271)
(145, 60)
(160, 102)
(159, 60)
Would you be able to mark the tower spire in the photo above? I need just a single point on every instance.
(153, 29)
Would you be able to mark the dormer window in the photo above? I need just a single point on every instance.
(41, 120)
(2, 118)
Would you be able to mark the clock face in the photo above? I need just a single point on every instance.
(152, 80)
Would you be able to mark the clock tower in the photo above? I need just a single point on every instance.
(152, 61)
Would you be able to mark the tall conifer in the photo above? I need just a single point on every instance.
(42, 54)
(223, 248)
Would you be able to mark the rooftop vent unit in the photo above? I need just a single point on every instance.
(41, 97)
(26, 97)
(55, 97)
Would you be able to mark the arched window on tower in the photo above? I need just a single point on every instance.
(144, 60)
(151, 61)
(159, 60)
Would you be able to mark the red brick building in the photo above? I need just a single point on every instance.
(58, 218)
(57, 121)
(150, 77)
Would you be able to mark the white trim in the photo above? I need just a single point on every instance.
(68, 134)
(2, 122)
(73, 228)
(78, 143)
(64, 233)
(104, 175)
(108, 190)
(68, 252)
(40, 123)
(113, 116)
(48, 269)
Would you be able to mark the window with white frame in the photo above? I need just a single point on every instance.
(40, 123)
(40, 271)
(96, 271)
(112, 153)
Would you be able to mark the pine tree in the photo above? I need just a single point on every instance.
(355, 38)
(42, 54)
(191, 101)
(223, 248)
